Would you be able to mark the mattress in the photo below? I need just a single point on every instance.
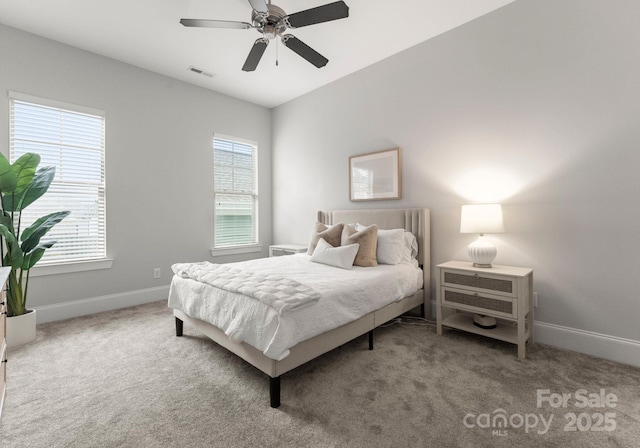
(345, 295)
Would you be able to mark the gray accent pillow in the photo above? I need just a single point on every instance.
(330, 234)
(367, 239)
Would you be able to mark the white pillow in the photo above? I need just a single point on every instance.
(406, 246)
(410, 249)
(390, 246)
(340, 257)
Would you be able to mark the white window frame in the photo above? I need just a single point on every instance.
(256, 245)
(50, 267)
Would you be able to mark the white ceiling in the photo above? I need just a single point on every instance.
(147, 34)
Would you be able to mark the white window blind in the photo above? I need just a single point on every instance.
(235, 192)
(72, 139)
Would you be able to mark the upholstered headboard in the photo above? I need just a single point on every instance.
(414, 220)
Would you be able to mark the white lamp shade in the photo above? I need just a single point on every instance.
(481, 218)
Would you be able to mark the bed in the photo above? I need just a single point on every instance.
(190, 300)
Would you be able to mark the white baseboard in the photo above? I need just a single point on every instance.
(626, 351)
(622, 350)
(67, 310)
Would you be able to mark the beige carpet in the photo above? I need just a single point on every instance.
(122, 379)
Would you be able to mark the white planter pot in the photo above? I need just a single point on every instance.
(21, 329)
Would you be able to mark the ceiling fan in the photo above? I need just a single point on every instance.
(272, 21)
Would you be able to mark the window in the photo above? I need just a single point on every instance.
(235, 192)
(70, 138)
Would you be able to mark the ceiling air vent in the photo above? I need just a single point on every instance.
(200, 71)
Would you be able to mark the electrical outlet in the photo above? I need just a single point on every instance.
(156, 273)
(535, 300)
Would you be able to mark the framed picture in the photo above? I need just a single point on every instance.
(375, 176)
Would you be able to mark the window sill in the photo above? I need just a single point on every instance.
(65, 268)
(236, 250)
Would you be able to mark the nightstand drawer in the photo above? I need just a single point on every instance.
(487, 304)
(278, 250)
(3, 374)
(3, 318)
(4, 273)
(3, 370)
(501, 292)
(494, 284)
(3, 362)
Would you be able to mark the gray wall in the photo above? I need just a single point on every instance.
(158, 163)
(543, 97)
(541, 94)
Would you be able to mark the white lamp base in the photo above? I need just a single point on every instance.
(482, 252)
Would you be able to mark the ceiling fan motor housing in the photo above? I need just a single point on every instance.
(273, 24)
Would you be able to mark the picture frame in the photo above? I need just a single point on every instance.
(375, 176)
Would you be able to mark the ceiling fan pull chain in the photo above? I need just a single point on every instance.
(276, 52)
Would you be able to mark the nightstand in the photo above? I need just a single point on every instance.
(4, 275)
(503, 292)
(278, 250)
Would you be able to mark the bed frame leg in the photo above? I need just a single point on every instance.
(371, 340)
(179, 325)
(423, 313)
(274, 391)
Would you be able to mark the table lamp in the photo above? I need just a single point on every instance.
(481, 219)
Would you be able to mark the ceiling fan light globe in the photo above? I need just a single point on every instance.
(269, 32)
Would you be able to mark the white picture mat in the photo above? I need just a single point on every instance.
(375, 176)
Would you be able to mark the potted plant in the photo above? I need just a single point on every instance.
(21, 184)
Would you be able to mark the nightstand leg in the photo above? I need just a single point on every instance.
(521, 338)
(530, 322)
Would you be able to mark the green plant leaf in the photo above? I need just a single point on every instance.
(15, 302)
(8, 179)
(35, 255)
(31, 235)
(25, 169)
(14, 255)
(5, 219)
(37, 187)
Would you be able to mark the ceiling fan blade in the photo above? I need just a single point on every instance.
(255, 54)
(216, 24)
(304, 50)
(260, 6)
(325, 13)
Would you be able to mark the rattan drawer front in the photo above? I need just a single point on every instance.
(481, 303)
(500, 285)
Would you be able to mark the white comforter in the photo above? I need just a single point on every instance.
(345, 295)
(282, 294)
